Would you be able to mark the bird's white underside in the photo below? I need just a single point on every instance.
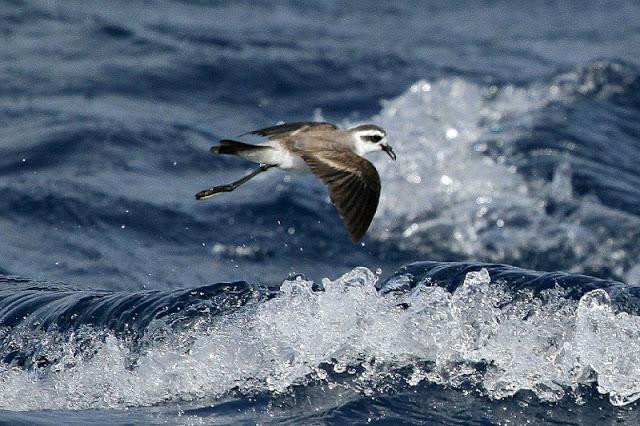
(283, 158)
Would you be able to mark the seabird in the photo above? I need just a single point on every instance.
(332, 154)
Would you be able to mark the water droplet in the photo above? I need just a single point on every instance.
(445, 180)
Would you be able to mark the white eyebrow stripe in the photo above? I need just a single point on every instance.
(370, 133)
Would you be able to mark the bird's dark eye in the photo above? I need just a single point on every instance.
(373, 138)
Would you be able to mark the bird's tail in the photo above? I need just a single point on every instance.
(257, 153)
(233, 147)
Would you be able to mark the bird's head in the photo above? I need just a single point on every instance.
(370, 138)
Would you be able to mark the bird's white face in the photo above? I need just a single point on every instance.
(371, 140)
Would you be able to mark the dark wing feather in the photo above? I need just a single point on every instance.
(291, 127)
(354, 186)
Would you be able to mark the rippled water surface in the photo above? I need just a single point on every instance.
(122, 299)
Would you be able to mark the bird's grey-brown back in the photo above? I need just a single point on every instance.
(287, 141)
(316, 137)
(317, 140)
(291, 128)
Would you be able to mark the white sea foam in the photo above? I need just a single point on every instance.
(434, 127)
(550, 345)
(445, 195)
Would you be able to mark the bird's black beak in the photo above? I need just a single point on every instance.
(389, 151)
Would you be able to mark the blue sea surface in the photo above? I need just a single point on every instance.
(124, 300)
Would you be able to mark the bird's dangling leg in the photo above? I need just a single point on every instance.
(215, 190)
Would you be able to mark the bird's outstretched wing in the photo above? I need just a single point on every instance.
(281, 129)
(354, 186)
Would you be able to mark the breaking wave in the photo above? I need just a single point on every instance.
(493, 329)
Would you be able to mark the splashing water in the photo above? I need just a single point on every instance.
(349, 335)
(451, 195)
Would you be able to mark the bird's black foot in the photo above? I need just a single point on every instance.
(208, 193)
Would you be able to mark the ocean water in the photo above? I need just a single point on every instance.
(123, 300)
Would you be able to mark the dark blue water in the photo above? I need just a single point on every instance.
(122, 299)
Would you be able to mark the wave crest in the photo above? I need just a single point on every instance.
(550, 334)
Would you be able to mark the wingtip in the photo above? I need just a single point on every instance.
(356, 237)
